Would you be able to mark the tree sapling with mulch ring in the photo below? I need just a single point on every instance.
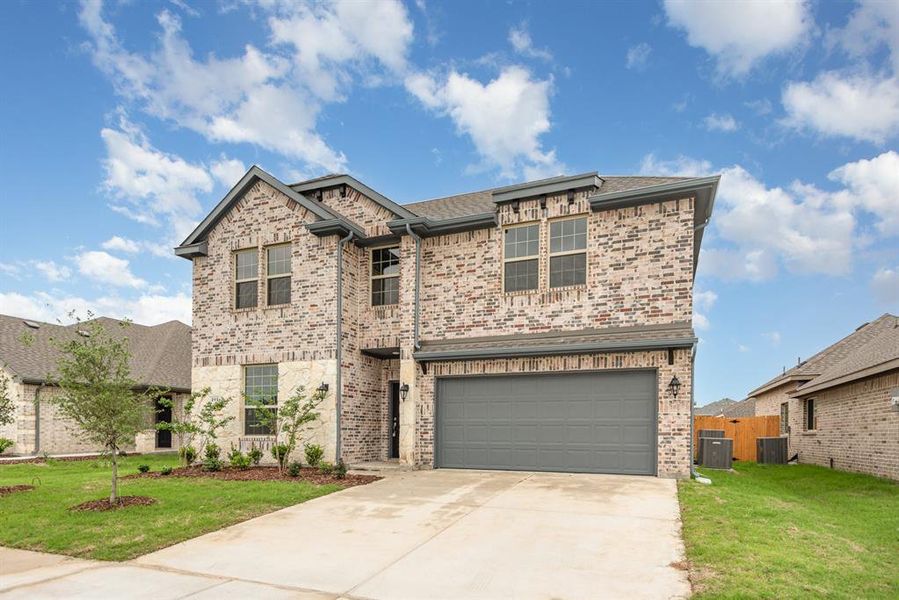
(121, 502)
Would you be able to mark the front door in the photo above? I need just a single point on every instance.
(163, 415)
(394, 419)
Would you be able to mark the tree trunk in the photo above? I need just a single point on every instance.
(114, 492)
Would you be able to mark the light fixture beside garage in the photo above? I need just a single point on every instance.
(674, 386)
(404, 391)
(323, 388)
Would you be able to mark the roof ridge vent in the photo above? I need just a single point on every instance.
(32, 324)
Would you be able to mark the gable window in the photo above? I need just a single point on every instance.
(810, 418)
(278, 274)
(568, 252)
(246, 278)
(385, 276)
(260, 388)
(784, 418)
(521, 268)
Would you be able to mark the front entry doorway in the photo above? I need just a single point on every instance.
(394, 400)
(163, 415)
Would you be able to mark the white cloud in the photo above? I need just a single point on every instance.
(872, 185)
(773, 337)
(760, 107)
(873, 25)
(743, 348)
(861, 106)
(147, 309)
(152, 183)
(703, 300)
(740, 34)
(716, 122)
(638, 56)
(504, 118)
(700, 321)
(120, 244)
(681, 166)
(521, 41)
(228, 171)
(728, 264)
(106, 268)
(10, 270)
(51, 270)
(885, 286)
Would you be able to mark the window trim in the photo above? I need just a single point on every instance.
(237, 281)
(551, 255)
(243, 413)
(536, 257)
(810, 402)
(288, 275)
(784, 418)
(372, 277)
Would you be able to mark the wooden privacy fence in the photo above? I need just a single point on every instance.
(742, 430)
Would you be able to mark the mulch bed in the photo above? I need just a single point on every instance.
(6, 490)
(307, 474)
(124, 501)
(18, 460)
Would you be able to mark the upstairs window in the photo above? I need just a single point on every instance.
(246, 278)
(385, 276)
(260, 388)
(568, 252)
(278, 274)
(521, 265)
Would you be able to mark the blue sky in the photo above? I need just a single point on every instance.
(123, 123)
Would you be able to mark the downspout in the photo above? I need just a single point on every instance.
(417, 239)
(337, 382)
(693, 472)
(37, 419)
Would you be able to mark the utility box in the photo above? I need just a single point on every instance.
(771, 450)
(716, 453)
(706, 433)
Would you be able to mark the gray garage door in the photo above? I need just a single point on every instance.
(577, 422)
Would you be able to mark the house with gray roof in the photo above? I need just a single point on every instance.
(544, 325)
(160, 358)
(840, 408)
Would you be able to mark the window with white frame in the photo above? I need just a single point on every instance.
(568, 252)
(385, 276)
(260, 398)
(246, 278)
(278, 273)
(521, 263)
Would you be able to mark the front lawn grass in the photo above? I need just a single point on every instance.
(40, 519)
(791, 531)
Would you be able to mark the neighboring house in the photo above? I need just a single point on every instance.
(714, 409)
(535, 326)
(837, 408)
(160, 357)
(743, 408)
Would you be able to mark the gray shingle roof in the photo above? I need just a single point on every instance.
(713, 409)
(474, 203)
(160, 355)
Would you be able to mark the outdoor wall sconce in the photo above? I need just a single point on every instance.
(570, 197)
(323, 388)
(404, 391)
(515, 206)
(674, 386)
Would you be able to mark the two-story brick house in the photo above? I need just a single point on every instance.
(537, 327)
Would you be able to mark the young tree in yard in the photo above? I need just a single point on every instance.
(193, 425)
(7, 407)
(287, 421)
(97, 392)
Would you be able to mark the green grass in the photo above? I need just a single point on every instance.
(40, 520)
(784, 531)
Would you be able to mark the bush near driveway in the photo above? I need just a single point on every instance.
(791, 531)
(40, 519)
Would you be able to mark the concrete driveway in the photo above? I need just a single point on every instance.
(442, 534)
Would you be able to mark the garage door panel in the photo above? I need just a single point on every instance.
(580, 422)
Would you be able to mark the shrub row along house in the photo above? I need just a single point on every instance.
(840, 408)
(541, 326)
(160, 358)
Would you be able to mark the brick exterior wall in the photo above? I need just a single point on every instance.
(640, 272)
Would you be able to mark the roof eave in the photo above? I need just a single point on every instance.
(426, 227)
(529, 190)
(335, 227)
(780, 381)
(360, 187)
(889, 365)
(555, 349)
(192, 251)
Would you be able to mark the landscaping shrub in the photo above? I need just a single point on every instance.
(280, 453)
(165, 471)
(325, 467)
(212, 461)
(143, 468)
(294, 469)
(314, 454)
(5, 443)
(255, 455)
(188, 454)
(238, 459)
(340, 469)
